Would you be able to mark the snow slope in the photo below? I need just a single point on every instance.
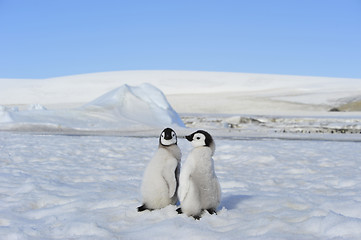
(88, 187)
(124, 109)
(191, 91)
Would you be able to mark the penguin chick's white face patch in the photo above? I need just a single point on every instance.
(198, 140)
(168, 137)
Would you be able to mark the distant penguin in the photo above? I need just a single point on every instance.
(160, 180)
(199, 188)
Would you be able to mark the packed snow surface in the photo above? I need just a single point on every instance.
(88, 187)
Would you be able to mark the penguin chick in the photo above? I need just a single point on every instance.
(160, 180)
(199, 188)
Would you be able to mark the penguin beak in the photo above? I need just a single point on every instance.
(168, 136)
(189, 138)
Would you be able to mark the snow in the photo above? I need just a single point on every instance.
(81, 187)
(124, 108)
(144, 103)
(73, 151)
(188, 91)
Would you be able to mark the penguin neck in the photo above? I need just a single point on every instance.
(174, 150)
(212, 148)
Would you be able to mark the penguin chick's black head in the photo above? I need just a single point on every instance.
(200, 138)
(167, 137)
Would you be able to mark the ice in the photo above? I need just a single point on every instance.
(124, 108)
(36, 107)
(145, 104)
(5, 115)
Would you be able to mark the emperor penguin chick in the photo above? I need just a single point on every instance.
(160, 180)
(199, 188)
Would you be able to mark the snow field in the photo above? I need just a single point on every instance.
(195, 91)
(88, 187)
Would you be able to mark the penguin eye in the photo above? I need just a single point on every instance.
(198, 138)
(173, 134)
(162, 134)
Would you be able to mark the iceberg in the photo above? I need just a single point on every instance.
(122, 109)
(145, 104)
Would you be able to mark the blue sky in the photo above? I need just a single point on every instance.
(50, 38)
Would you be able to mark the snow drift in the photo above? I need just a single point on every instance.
(124, 108)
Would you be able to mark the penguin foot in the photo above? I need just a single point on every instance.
(143, 208)
(211, 211)
(179, 211)
(197, 217)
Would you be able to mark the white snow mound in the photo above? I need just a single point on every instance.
(124, 108)
(145, 104)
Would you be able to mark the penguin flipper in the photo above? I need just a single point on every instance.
(184, 184)
(169, 176)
